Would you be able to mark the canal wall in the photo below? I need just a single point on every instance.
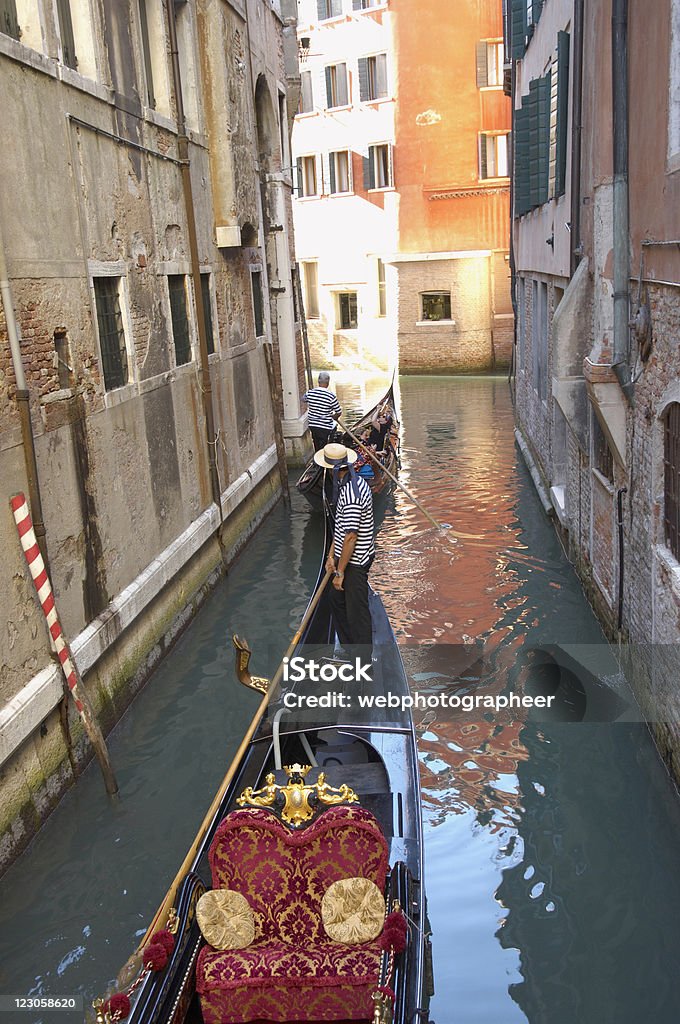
(43, 746)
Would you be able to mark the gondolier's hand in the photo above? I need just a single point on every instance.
(338, 580)
(330, 563)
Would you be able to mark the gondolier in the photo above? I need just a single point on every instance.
(323, 408)
(352, 550)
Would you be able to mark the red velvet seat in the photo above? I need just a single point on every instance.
(292, 971)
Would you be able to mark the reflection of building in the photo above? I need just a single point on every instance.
(149, 262)
(402, 182)
(596, 223)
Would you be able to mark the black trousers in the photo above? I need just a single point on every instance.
(319, 437)
(351, 613)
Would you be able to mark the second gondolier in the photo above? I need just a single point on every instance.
(324, 409)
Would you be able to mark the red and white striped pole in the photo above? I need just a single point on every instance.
(36, 565)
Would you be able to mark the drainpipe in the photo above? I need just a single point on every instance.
(576, 131)
(183, 153)
(621, 365)
(23, 406)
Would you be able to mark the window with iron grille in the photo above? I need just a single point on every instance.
(180, 319)
(671, 482)
(436, 305)
(207, 312)
(603, 460)
(111, 332)
(258, 304)
(9, 23)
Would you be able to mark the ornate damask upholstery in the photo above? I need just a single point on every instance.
(292, 971)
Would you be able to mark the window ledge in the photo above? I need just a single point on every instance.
(336, 20)
(377, 101)
(26, 55)
(494, 181)
(340, 195)
(56, 396)
(69, 76)
(671, 568)
(337, 110)
(491, 88)
(602, 480)
(306, 114)
(160, 120)
(385, 188)
(303, 199)
(435, 323)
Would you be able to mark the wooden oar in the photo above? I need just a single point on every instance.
(162, 912)
(412, 497)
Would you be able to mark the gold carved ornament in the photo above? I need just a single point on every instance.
(296, 794)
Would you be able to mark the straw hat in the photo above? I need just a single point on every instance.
(335, 455)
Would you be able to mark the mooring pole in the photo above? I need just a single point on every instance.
(41, 580)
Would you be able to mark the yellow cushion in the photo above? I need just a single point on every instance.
(225, 919)
(353, 910)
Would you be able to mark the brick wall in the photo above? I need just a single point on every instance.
(463, 345)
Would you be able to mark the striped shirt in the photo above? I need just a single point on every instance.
(321, 402)
(355, 515)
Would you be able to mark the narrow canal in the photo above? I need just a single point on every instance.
(551, 845)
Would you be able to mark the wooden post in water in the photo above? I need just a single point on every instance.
(41, 580)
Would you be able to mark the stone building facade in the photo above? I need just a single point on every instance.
(402, 203)
(154, 404)
(597, 364)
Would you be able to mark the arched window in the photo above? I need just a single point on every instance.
(671, 477)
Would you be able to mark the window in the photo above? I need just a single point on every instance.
(372, 77)
(62, 351)
(180, 319)
(346, 311)
(603, 460)
(539, 337)
(9, 23)
(671, 485)
(311, 278)
(493, 156)
(674, 86)
(306, 168)
(68, 46)
(111, 332)
(328, 9)
(378, 167)
(522, 327)
(339, 167)
(258, 304)
(365, 5)
(382, 298)
(187, 57)
(336, 86)
(489, 63)
(306, 93)
(436, 305)
(207, 312)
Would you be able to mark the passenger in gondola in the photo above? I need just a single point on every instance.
(323, 410)
(352, 551)
(379, 430)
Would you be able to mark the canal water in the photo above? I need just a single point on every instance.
(551, 843)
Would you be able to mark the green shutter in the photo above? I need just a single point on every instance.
(536, 8)
(364, 85)
(532, 117)
(482, 65)
(369, 169)
(562, 112)
(521, 160)
(331, 168)
(518, 28)
(483, 168)
(300, 185)
(9, 24)
(543, 132)
(329, 89)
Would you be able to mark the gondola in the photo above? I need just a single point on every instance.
(311, 482)
(317, 801)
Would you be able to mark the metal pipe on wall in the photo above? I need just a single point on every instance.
(183, 153)
(576, 133)
(620, 362)
(23, 406)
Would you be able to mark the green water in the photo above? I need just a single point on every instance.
(551, 846)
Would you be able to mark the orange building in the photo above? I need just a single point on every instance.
(451, 169)
(402, 206)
